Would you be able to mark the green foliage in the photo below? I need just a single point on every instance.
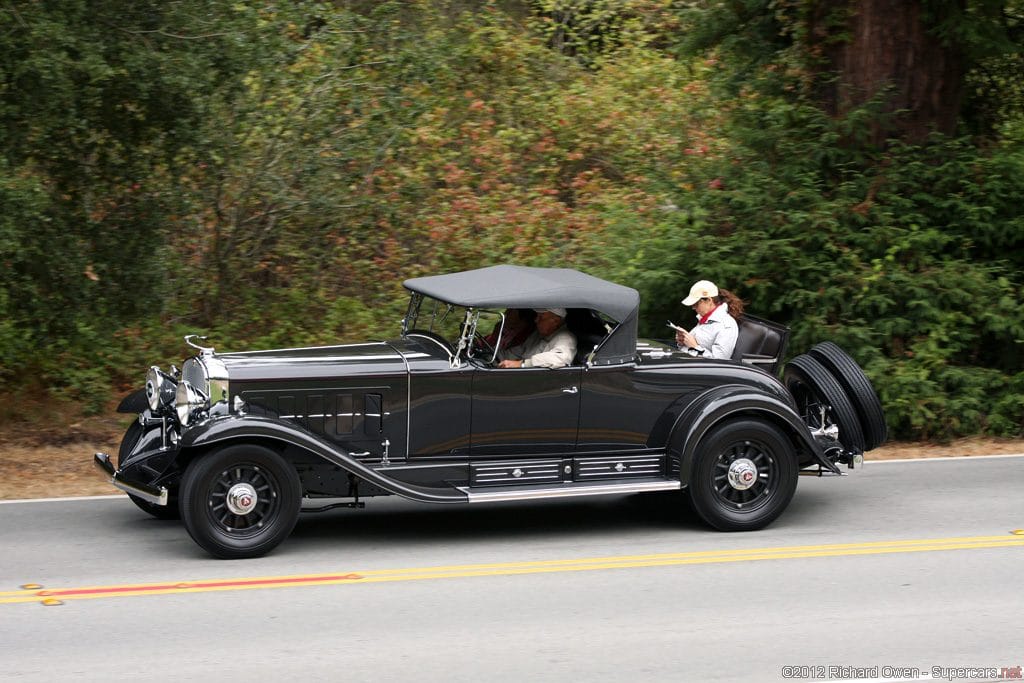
(268, 175)
(910, 262)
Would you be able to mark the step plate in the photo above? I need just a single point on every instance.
(568, 491)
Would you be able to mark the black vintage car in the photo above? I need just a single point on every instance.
(238, 444)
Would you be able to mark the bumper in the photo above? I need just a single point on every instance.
(157, 496)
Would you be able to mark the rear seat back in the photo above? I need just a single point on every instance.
(760, 342)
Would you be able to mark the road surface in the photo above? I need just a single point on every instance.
(883, 575)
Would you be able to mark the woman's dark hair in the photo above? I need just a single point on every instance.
(735, 303)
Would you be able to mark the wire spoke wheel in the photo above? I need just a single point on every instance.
(743, 475)
(746, 475)
(240, 501)
(243, 499)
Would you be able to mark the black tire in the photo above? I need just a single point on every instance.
(859, 390)
(813, 387)
(262, 483)
(169, 511)
(720, 503)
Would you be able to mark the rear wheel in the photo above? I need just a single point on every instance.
(240, 501)
(744, 475)
(859, 390)
(822, 402)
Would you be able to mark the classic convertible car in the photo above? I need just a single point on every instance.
(238, 444)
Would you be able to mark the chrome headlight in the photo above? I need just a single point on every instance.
(203, 388)
(160, 390)
(187, 401)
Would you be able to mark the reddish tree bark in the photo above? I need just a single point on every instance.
(890, 47)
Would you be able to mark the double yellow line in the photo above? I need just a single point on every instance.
(58, 595)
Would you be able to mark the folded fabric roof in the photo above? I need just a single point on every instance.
(508, 286)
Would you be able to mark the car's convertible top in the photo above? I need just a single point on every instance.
(509, 286)
(526, 287)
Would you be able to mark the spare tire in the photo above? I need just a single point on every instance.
(859, 390)
(813, 387)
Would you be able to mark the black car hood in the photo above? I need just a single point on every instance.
(373, 358)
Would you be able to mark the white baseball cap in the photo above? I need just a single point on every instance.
(560, 312)
(702, 289)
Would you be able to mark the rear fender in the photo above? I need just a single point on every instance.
(221, 430)
(734, 400)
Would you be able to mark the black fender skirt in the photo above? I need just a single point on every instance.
(722, 402)
(235, 427)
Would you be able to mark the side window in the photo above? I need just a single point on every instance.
(589, 329)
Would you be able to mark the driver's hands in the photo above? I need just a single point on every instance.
(510, 364)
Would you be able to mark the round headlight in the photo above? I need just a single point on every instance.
(153, 381)
(160, 390)
(187, 400)
(154, 384)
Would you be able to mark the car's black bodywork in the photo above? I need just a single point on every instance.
(428, 416)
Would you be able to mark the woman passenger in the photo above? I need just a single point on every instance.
(717, 311)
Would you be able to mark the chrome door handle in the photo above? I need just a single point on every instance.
(570, 390)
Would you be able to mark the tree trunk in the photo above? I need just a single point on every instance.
(889, 49)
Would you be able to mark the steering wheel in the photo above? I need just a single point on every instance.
(480, 343)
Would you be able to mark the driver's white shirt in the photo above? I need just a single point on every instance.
(555, 351)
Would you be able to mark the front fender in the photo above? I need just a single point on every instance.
(722, 402)
(240, 427)
(135, 402)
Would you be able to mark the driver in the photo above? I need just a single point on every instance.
(551, 345)
(518, 327)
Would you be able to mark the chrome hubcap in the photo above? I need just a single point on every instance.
(242, 499)
(742, 474)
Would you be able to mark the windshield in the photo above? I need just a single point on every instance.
(460, 327)
(427, 314)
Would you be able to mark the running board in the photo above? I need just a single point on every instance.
(520, 493)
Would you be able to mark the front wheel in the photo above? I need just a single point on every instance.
(240, 501)
(744, 475)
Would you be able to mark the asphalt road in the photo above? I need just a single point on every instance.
(850, 583)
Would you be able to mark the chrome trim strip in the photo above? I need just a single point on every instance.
(157, 496)
(423, 336)
(303, 348)
(612, 460)
(329, 359)
(567, 491)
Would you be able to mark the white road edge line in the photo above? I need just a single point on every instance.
(61, 500)
(940, 458)
(866, 464)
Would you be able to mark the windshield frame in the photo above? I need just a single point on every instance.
(455, 324)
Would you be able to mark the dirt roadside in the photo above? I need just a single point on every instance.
(43, 462)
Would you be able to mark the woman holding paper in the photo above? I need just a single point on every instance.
(716, 330)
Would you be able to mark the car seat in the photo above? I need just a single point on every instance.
(760, 342)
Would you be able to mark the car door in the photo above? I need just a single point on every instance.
(524, 411)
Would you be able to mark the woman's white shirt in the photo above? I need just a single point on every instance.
(717, 335)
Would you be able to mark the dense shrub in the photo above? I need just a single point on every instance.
(270, 175)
